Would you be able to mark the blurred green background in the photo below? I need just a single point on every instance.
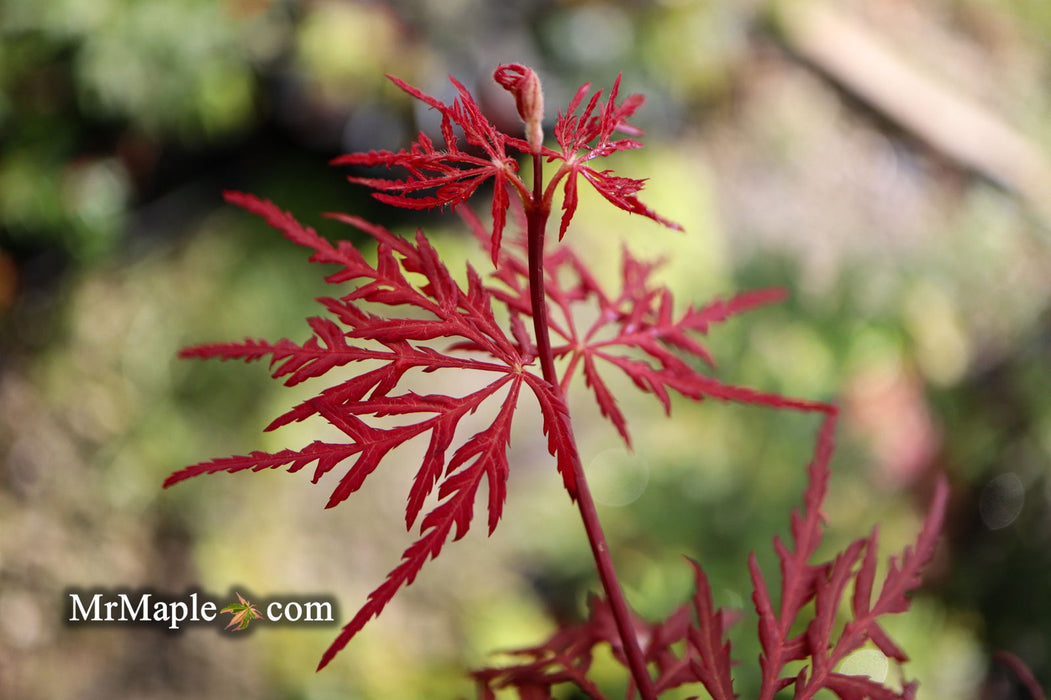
(887, 162)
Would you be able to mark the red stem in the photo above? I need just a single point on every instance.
(538, 210)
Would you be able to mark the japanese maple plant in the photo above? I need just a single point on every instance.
(521, 326)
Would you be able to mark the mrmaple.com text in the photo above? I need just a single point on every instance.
(149, 608)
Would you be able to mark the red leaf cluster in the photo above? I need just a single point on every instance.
(700, 630)
(437, 176)
(432, 323)
(640, 318)
(451, 175)
(822, 645)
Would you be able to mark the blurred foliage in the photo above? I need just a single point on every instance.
(85, 86)
(920, 297)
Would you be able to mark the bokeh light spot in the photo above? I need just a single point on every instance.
(866, 662)
(1001, 501)
(617, 477)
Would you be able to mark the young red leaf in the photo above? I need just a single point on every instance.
(587, 136)
(524, 84)
(450, 175)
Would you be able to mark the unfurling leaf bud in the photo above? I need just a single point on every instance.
(524, 84)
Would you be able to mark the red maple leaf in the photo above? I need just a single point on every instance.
(819, 645)
(450, 175)
(455, 315)
(587, 136)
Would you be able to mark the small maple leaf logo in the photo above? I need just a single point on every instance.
(243, 613)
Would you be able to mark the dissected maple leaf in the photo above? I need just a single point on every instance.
(586, 136)
(636, 330)
(457, 316)
(450, 175)
(819, 645)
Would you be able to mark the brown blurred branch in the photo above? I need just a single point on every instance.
(948, 121)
